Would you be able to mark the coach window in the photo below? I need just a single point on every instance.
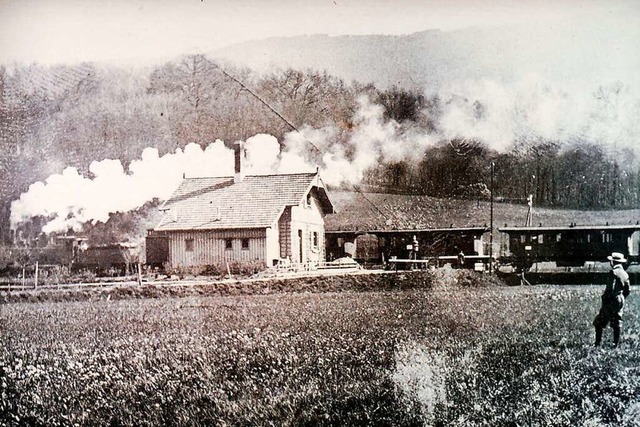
(245, 244)
(188, 245)
(540, 238)
(228, 244)
(523, 238)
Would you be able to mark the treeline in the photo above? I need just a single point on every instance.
(580, 176)
(54, 117)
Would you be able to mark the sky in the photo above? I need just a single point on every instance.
(150, 31)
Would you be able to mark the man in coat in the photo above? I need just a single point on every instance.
(616, 291)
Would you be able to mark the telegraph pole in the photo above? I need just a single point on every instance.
(491, 224)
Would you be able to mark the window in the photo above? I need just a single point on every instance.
(558, 237)
(523, 238)
(188, 245)
(308, 201)
(228, 243)
(245, 244)
(314, 239)
(540, 238)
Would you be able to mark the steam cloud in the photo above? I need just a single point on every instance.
(535, 109)
(485, 111)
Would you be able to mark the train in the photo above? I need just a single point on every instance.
(415, 246)
(73, 253)
(568, 246)
(465, 247)
(474, 247)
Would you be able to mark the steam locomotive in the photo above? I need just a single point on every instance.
(74, 253)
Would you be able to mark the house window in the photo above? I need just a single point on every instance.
(245, 244)
(228, 243)
(308, 201)
(188, 245)
(314, 239)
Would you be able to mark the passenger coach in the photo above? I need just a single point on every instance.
(568, 246)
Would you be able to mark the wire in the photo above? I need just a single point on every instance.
(266, 104)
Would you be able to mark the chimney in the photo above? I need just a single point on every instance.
(239, 155)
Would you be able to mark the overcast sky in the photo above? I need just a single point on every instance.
(145, 31)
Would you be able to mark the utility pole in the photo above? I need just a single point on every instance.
(529, 220)
(491, 224)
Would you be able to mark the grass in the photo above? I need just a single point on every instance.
(453, 349)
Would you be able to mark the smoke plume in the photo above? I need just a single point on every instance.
(500, 114)
(496, 114)
(68, 200)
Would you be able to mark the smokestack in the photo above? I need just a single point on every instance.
(239, 155)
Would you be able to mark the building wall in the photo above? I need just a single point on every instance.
(208, 247)
(284, 233)
(273, 244)
(306, 240)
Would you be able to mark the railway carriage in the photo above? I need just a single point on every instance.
(571, 245)
(379, 246)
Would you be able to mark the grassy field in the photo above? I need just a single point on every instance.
(443, 348)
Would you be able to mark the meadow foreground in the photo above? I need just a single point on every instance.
(450, 349)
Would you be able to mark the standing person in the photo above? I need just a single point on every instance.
(414, 252)
(616, 291)
(461, 260)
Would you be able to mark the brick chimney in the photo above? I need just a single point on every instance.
(239, 156)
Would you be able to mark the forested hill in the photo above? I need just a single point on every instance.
(413, 142)
(434, 59)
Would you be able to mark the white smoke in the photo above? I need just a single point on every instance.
(496, 114)
(69, 199)
(499, 114)
(372, 141)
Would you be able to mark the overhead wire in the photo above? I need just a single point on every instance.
(292, 126)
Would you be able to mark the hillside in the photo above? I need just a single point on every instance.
(434, 58)
(360, 211)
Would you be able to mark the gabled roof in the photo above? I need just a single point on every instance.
(256, 202)
(358, 211)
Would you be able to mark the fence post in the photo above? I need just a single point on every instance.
(35, 279)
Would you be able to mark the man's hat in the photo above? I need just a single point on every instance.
(617, 257)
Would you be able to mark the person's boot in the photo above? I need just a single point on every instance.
(616, 336)
(598, 336)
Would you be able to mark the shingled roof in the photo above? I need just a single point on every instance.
(256, 202)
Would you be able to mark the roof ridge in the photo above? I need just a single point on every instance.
(256, 175)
